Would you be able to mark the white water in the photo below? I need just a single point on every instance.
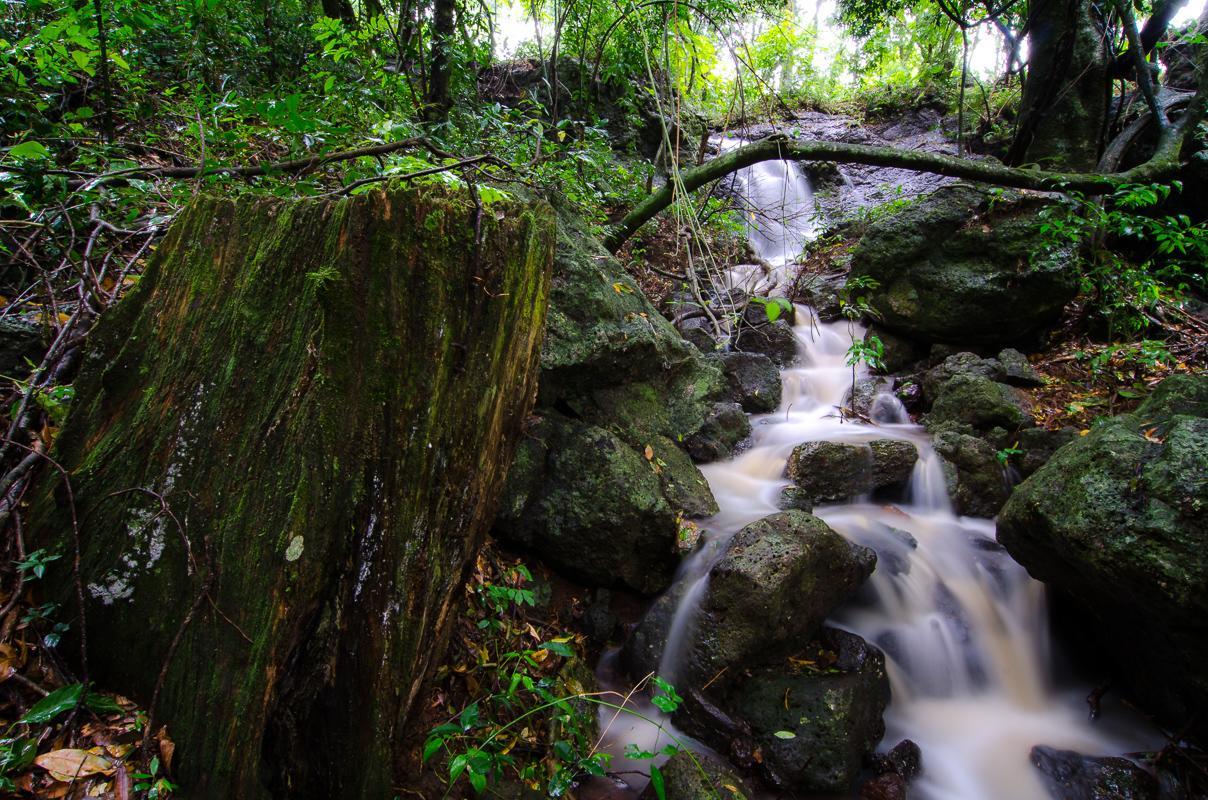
(962, 625)
(778, 203)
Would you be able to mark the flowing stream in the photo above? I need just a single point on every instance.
(963, 627)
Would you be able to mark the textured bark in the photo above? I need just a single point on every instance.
(327, 394)
(1065, 96)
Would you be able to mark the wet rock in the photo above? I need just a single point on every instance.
(643, 650)
(588, 503)
(885, 787)
(774, 339)
(1117, 520)
(936, 378)
(822, 293)
(778, 580)
(973, 472)
(813, 717)
(861, 395)
(776, 583)
(833, 471)
(1015, 369)
(960, 266)
(1073, 776)
(978, 402)
(910, 393)
(794, 497)
(754, 381)
(904, 759)
(699, 777)
(699, 333)
(725, 427)
(892, 461)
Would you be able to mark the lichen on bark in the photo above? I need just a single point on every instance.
(326, 395)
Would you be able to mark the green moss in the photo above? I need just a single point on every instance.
(371, 411)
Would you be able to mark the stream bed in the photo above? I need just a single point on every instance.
(964, 629)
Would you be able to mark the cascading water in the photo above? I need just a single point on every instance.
(778, 203)
(962, 625)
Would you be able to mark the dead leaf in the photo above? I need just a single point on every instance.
(649, 453)
(167, 748)
(70, 764)
(123, 786)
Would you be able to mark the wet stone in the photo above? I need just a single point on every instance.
(1073, 776)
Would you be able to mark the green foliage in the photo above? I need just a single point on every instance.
(1137, 258)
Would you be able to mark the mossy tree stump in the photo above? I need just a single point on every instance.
(326, 396)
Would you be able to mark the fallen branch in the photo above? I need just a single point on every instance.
(254, 170)
(1162, 167)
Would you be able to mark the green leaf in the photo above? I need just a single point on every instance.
(54, 704)
(102, 704)
(478, 781)
(81, 59)
(29, 150)
(657, 783)
(457, 766)
(431, 747)
(785, 735)
(559, 649)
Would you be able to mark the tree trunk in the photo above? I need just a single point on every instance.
(326, 396)
(439, 100)
(1065, 96)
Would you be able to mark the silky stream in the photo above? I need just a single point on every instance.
(963, 627)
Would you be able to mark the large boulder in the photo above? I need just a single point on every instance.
(1118, 521)
(809, 720)
(598, 510)
(963, 265)
(778, 580)
(831, 471)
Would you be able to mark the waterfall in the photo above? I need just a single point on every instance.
(963, 627)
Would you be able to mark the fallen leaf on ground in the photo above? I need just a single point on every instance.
(68, 765)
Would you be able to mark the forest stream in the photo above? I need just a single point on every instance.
(964, 628)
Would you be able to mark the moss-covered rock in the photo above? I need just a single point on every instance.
(832, 471)
(598, 510)
(959, 265)
(980, 403)
(977, 483)
(1118, 521)
(813, 718)
(779, 579)
(724, 429)
(326, 395)
(753, 379)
